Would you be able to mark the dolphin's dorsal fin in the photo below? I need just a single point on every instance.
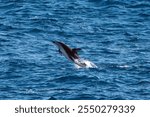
(75, 50)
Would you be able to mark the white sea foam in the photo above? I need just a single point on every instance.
(124, 66)
(83, 63)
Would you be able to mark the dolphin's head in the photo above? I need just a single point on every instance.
(56, 43)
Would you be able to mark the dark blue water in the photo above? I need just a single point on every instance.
(114, 34)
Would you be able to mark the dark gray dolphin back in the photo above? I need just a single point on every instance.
(72, 53)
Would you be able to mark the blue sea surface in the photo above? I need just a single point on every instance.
(113, 34)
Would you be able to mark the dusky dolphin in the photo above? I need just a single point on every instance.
(70, 54)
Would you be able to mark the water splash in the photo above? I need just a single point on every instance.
(83, 63)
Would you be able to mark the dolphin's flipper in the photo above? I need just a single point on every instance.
(75, 50)
(60, 52)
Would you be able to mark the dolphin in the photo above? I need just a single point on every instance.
(70, 54)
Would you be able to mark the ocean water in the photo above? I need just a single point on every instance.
(113, 34)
